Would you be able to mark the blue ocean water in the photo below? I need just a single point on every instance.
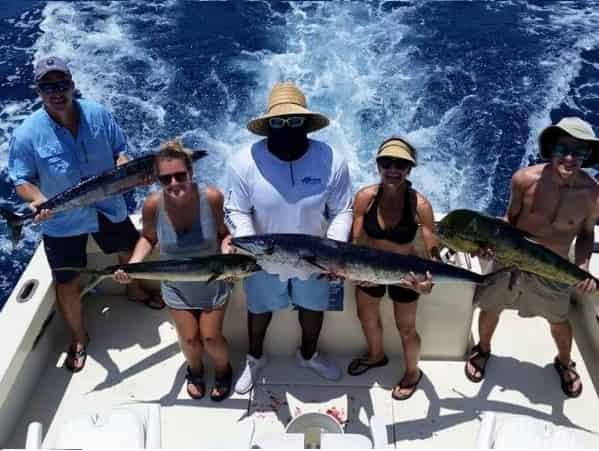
(470, 84)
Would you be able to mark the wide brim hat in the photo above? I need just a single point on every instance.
(574, 127)
(286, 99)
(397, 148)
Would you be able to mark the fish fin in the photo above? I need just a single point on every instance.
(312, 260)
(197, 154)
(13, 223)
(213, 277)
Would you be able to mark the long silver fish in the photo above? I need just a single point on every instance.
(117, 180)
(295, 255)
(468, 231)
(197, 269)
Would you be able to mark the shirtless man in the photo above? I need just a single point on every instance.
(555, 202)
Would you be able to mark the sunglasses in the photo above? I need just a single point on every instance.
(291, 122)
(399, 163)
(55, 86)
(579, 153)
(165, 179)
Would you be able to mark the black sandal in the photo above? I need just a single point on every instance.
(361, 364)
(567, 385)
(222, 386)
(197, 380)
(411, 387)
(477, 353)
(73, 354)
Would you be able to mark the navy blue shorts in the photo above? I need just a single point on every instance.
(71, 250)
(396, 293)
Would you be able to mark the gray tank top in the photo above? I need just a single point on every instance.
(200, 240)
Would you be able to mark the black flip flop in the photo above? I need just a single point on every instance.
(223, 386)
(361, 364)
(197, 380)
(73, 354)
(568, 384)
(411, 387)
(475, 353)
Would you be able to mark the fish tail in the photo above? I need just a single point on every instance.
(94, 281)
(96, 276)
(14, 223)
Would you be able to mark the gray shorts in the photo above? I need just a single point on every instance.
(195, 295)
(531, 295)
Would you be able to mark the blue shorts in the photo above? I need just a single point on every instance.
(266, 293)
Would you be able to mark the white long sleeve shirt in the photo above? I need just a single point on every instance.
(311, 195)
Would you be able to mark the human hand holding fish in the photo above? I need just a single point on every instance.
(42, 214)
(586, 286)
(422, 284)
(121, 276)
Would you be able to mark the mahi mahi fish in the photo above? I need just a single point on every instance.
(196, 269)
(296, 255)
(468, 231)
(117, 180)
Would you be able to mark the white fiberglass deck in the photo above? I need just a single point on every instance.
(134, 357)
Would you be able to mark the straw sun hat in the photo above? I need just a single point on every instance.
(286, 99)
(571, 126)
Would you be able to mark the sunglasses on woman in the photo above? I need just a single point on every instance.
(579, 153)
(165, 179)
(399, 163)
(291, 122)
(50, 87)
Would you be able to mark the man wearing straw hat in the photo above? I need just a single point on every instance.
(287, 183)
(554, 202)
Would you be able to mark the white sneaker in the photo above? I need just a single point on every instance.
(250, 373)
(320, 366)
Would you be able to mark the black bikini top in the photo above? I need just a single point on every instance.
(403, 232)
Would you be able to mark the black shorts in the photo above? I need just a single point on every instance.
(71, 250)
(396, 293)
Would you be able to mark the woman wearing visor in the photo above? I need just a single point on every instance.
(186, 219)
(387, 216)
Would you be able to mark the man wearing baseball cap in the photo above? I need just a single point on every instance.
(56, 147)
(554, 202)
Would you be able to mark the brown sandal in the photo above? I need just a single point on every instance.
(477, 353)
(222, 386)
(568, 385)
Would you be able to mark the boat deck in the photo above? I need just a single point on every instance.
(135, 360)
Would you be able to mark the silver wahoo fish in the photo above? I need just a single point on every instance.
(468, 231)
(196, 269)
(295, 255)
(117, 180)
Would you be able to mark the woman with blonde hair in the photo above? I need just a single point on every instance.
(387, 216)
(186, 220)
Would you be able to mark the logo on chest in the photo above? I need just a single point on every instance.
(311, 180)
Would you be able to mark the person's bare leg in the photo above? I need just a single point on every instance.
(188, 330)
(562, 335)
(213, 340)
(405, 319)
(69, 304)
(487, 323)
(370, 320)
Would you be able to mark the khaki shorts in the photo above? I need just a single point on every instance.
(531, 295)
